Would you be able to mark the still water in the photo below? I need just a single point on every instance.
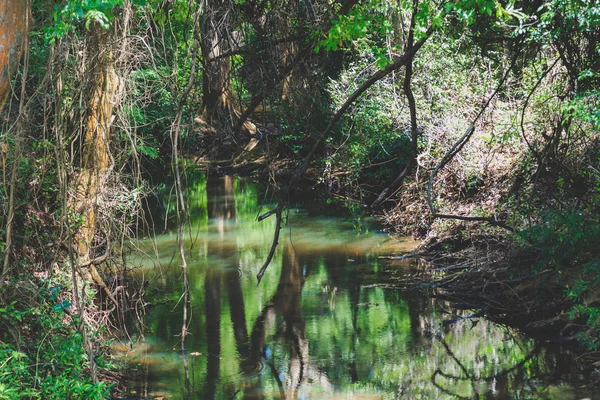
(332, 318)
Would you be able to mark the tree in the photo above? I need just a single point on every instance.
(217, 94)
(96, 156)
(14, 32)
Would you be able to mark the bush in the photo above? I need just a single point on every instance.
(42, 352)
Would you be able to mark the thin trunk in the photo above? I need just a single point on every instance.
(288, 50)
(412, 106)
(217, 92)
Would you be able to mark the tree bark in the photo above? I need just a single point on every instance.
(13, 33)
(216, 83)
(96, 161)
(8, 63)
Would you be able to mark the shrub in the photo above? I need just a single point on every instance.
(42, 352)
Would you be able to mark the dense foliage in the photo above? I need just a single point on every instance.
(452, 117)
(43, 356)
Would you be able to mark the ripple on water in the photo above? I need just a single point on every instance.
(232, 274)
(248, 370)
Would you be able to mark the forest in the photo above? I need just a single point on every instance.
(472, 126)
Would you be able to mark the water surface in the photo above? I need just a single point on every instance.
(331, 318)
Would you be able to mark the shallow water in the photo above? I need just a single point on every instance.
(331, 318)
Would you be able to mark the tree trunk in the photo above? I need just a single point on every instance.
(412, 107)
(216, 84)
(95, 158)
(288, 51)
(13, 32)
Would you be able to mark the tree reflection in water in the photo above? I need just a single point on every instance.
(323, 322)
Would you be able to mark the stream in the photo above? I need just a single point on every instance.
(332, 318)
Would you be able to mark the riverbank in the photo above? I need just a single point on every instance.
(506, 282)
(333, 315)
(537, 277)
(43, 352)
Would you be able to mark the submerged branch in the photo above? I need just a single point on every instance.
(266, 215)
(278, 212)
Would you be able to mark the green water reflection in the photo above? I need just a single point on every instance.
(322, 323)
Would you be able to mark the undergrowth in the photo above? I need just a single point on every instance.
(41, 348)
